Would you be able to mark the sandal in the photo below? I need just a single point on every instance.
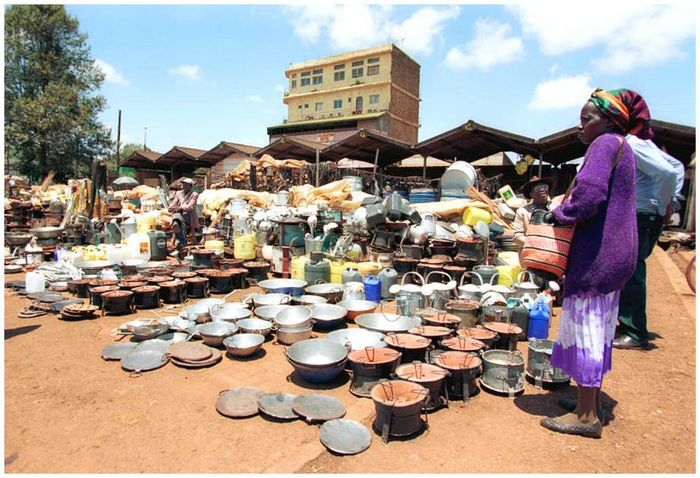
(588, 430)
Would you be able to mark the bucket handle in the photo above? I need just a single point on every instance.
(449, 278)
(529, 276)
(504, 275)
(403, 278)
(481, 281)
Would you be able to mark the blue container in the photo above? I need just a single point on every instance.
(422, 195)
(373, 289)
(403, 193)
(539, 321)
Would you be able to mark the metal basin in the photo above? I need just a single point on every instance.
(229, 313)
(309, 300)
(242, 345)
(387, 322)
(198, 312)
(357, 307)
(320, 374)
(18, 239)
(294, 317)
(293, 287)
(255, 326)
(333, 293)
(293, 335)
(328, 316)
(46, 232)
(357, 338)
(261, 300)
(214, 333)
(317, 353)
(269, 312)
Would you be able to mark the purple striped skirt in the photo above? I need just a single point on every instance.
(583, 348)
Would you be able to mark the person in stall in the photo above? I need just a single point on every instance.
(183, 208)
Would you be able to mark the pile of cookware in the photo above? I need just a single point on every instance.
(317, 360)
(79, 311)
(193, 354)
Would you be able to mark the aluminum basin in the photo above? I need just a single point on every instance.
(317, 353)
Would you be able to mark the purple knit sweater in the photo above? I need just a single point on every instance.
(603, 254)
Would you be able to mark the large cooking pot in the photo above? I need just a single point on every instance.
(293, 287)
(46, 232)
(261, 300)
(294, 317)
(328, 316)
(470, 291)
(293, 335)
(198, 312)
(386, 322)
(357, 338)
(229, 312)
(18, 239)
(357, 307)
(331, 292)
(505, 291)
(214, 333)
(317, 353)
(269, 312)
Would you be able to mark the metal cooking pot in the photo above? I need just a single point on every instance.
(199, 312)
(294, 317)
(292, 336)
(293, 287)
(242, 345)
(317, 353)
(357, 338)
(270, 299)
(328, 316)
(309, 300)
(46, 232)
(229, 312)
(214, 333)
(321, 374)
(504, 371)
(385, 322)
(18, 239)
(505, 291)
(333, 293)
(470, 291)
(255, 326)
(412, 294)
(269, 312)
(357, 307)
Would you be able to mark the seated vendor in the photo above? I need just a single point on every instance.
(183, 207)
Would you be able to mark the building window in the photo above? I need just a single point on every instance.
(319, 106)
(305, 81)
(373, 70)
(317, 80)
(339, 67)
(373, 99)
(358, 63)
(305, 73)
(318, 72)
(358, 104)
(294, 75)
(294, 84)
(299, 106)
(339, 76)
(356, 72)
(372, 60)
(306, 105)
(337, 104)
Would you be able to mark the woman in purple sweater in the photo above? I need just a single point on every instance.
(602, 207)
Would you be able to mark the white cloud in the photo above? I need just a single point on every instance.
(562, 93)
(353, 26)
(493, 44)
(188, 72)
(254, 98)
(280, 88)
(628, 35)
(111, 74)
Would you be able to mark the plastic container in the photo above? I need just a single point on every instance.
(158, 242)
(145, 223)
(140, 246)
(472, 215)
(35, 282)
(214, 245)
(317, 270)
(369, 268)
(388, 277)
(373, 288)
(298, 267)
(244, 246)
(337, 270)
(539, 321)
(351, 274)
(506, 272)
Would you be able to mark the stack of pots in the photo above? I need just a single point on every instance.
(293, 324)
(369, 365)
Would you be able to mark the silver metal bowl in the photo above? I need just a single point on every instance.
(46, 232)
(317, 353)
(293, 287)
(242, 345)
(295, 316)
(292, 336)
(327, 316)
(255, 326)
(214, 333)
(269, 312)
(261, 300)
(385, 322)
(357, 338)
(309, 300)
(229, 312)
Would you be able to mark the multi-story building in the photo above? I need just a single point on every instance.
(331, 98)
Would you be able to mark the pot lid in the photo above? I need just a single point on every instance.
(215, 358)
(477, 333)
(195, 280)
(278, 405)
(190, 351)
(239, 402)
(398, 393)
(430, 331)
(146, 288)
(117, 294)
(407, 341)
(346, 437)
(144, 360)
(420, 372)
(503, 328)
(439, 317)
(464, 344)
(454, 360)
(117, 351)
(318, 407)
(374, 355)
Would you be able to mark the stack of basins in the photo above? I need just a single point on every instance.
(317, 360)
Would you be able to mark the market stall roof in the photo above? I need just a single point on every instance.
(472, 141)
(564, 146)
(364, 145)
(494, 160)
(143, 159)
(183, 158)
(416, 161)
(225, 149)
(346, 163)
(290, 147)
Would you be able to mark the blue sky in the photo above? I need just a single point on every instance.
(197, 75)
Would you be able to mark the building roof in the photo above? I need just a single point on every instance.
(225, 149)
(472, 141)
(328, 120)
(290, 147)
(365, 145)
(416, 161)
(143, 159)
(183, 158)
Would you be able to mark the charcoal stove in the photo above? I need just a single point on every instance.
(173, 292)
(147, 297)
(197, 287)
(464, 368)
(398, 405)
(370, 365)
(429, 376)
(118, 302)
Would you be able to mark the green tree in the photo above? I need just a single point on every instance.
(125, 151)
(51, 100)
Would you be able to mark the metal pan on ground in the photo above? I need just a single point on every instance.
(239, 402)
(315, 407)
(46, 297)
(13, 269)
(214, 359)
(117, 351)
(190, 351)
(346, 437)
(278, 405)
(144, 360)
(156, 345)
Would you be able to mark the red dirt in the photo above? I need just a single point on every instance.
(69, 411)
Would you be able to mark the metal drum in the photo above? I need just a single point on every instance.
(504, 371)
(539, 363)
(422, 195)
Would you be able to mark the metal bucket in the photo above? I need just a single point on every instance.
(539, 363)
(504, 371)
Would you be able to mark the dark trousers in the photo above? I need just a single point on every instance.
(633, 298)
(181, 235)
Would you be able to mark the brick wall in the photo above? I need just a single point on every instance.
(405, 72)
(402, 131)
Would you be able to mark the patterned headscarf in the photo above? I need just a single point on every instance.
(627, 109)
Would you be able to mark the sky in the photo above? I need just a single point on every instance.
(193, 76)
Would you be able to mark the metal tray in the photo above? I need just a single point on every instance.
(346, 437)
(239, 402)
(144, 360)
(117, 351)
(278, 405)
(214, 359)
(317, 407)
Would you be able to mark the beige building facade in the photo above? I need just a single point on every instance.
(330, 98)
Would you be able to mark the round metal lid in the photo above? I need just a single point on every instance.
(278, 405)
(239, 402)
(346, 437)
(58, 306)
(215, 358)
(144, 360)
(48, 297)
(156, 345)
(190, 351)
(117, 351)
(318, 407)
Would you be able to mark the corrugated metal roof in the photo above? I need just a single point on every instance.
(225, 149)
(329, 120)
(364, 145)
(290, 147)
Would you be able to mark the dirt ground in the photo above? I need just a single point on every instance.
(69, 411)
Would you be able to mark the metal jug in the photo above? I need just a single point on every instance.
(414, 298)
(470, 291)
(522, 288)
